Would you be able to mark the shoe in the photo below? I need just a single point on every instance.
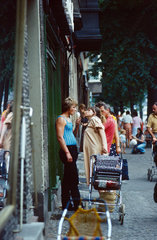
(141, 152)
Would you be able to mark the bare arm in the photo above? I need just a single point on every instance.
(4, 129)
(116, 134)
(60, 125)
(103, 139)
(77, 126)
(151, 133)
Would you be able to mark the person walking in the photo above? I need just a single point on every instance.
(68, 154)
(127, 125)
(136, 123)
(94, 138)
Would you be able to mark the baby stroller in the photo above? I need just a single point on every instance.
(4, 168)
(86, 223)
(106, 176)
(153, 170)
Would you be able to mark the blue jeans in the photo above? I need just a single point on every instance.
(141, 147)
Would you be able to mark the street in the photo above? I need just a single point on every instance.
(141, 210)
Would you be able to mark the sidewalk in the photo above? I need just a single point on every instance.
(52, 224)
(137, 193)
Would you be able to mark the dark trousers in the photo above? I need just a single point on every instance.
(70, 179)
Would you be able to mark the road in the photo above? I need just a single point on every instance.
(140, 222)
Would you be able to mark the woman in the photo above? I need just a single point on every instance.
(84, 122)
(94, 138)
(137, 123)
(68, 153)
(141, 144)
(4, 115)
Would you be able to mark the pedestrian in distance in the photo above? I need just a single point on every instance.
(94, 138)
(127, 125)
(123, 140)
(136, 123)
(66, 137)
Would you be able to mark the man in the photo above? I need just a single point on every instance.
(152, 129)
(127, 125)
(110, 125)
(152, 123)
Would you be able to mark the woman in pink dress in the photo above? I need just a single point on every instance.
(137, 123)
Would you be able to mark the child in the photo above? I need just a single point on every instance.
(123, 140)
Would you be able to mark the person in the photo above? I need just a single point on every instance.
(4, 115)
(94, 138)
(84, 122)
(68, 154)
(6, 132)
(115, 146)
(141, 143)
(111, 128)
(123, 140)
(152, 129)
(152, 123)
(127, 125)
(136, 122)
(119, 121)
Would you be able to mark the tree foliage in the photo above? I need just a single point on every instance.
(128, 50)
(7, 45)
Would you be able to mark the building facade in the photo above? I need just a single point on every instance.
(49, 66)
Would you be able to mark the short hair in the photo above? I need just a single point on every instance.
(127, 112)
(135, 113)
(101, 104)
(82, 106)
(68, 102)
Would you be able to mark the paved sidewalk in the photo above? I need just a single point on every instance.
(141, 210)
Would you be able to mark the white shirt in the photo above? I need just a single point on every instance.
(127, 119)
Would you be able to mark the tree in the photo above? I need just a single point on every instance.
(7, 47)
(125, 56)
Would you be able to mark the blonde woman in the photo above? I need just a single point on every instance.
(68, 153)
